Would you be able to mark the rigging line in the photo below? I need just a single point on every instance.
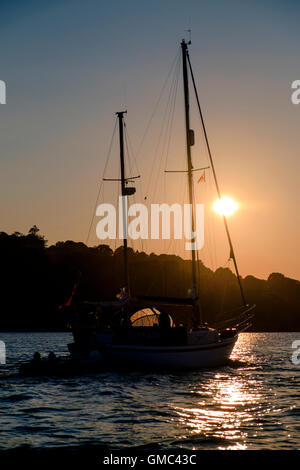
(209, 255)
(202, 197)
(161, 143)
(158, 101)
(101, 184)
(211, 238)
(232, 254)
(166, 138)
(225, 288)
(184, 191)
(186, 171)
(130, 168)
(171, 241)
(116, 205)
(128, 153)
(213, 231)
(161, 131)
(172, 108)
(197, 258)
(199, 285)
(130, 147)
(166, 127)
(172, 112)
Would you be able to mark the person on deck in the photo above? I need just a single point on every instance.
(164, 321)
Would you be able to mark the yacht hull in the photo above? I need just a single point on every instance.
(171, 357)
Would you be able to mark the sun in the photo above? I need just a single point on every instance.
(225, 206)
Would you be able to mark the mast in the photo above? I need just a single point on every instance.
(189, 143)
(232, 254)
(120, 115)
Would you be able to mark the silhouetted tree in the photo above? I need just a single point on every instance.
(33, 230)
(35, 280)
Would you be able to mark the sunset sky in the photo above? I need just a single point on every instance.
(70, 65)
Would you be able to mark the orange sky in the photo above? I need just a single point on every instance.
(64, 86)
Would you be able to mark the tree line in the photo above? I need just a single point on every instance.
(37, 280)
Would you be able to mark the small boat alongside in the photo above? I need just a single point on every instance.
(62, 366)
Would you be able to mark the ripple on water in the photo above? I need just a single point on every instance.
(16, 398)
(252, 403)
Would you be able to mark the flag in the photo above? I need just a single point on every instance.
(69, 301)
(75, 287)
(202, 178)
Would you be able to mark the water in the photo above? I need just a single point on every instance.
(253, 403)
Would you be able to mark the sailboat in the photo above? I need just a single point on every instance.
(140, 331)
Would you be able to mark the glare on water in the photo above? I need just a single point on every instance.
(229, 408)
(252, 403)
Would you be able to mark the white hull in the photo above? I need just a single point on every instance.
(172, 357)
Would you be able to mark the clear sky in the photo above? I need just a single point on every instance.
(70, 65)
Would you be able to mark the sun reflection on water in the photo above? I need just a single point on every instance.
(222, 408)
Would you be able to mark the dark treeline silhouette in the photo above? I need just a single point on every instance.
(36, 280)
